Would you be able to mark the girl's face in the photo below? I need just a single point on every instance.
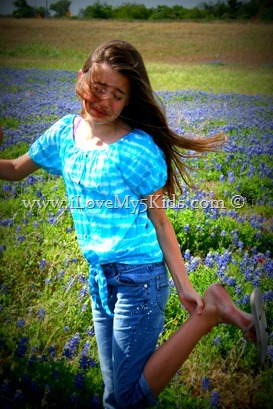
(108, 95)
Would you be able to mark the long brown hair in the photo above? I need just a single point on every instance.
(144, 110)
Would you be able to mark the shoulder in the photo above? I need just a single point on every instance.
(65, 121)
(139, 143)
(59, 129)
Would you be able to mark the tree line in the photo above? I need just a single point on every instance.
(222, 10)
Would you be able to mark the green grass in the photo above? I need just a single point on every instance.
(212, 78)
(214, 57)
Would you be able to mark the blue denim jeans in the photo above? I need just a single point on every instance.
(137, 295)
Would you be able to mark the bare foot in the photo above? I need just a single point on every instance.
(228, 313)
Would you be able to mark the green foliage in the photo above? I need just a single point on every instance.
(197, 231)
(61, 7)
(134, 11)
(98, 10)
(23, 10)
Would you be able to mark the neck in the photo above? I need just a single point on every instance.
(101, 130)
(90, 133)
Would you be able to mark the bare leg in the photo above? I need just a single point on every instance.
(170, 356)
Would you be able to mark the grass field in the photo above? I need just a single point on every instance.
(218, 57)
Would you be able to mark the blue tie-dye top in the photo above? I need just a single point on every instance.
(104, 188)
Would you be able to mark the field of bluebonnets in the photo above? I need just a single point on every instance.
(47, 347)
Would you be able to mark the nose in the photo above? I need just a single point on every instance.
(106, 99)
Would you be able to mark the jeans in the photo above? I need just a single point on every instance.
(137, 295)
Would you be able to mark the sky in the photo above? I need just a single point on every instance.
(6, 6)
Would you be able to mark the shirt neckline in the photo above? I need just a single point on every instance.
(105, 148)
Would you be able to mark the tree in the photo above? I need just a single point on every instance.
(234, 5)
(23, 10)
(132, 11)
(98, 10)
(41, 12)
(61, 8)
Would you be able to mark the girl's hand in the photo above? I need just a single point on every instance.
(191, 300)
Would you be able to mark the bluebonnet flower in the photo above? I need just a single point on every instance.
(231, 281)
(231, 177)
(6, 222)
(39, 193)
(240, 244)
(86, 362)
(238, 289)
(41, 313)
(268, 296)
(70, 283)
(90, 331)
(82, 279)
(217, 340)
(4, 288)
(86, 348)
(244, 300)
(270, 352)
(61, 274)
(32, 359)
(193, 264)
(22, 347)
(71, 347)
(21, 323)
(31, 179)
(42, 264)
(52, 220)
(84, 307)
(2, 248)
(52, 351)
(20, 238)
(79, 381)
(206, 384)
(187, 255)
(215, 399)
(47, 388)
(6, 187)
(74, 399)
(83, 292)
(209, 260)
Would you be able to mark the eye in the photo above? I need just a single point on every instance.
(99, 89)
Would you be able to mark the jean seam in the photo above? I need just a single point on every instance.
(129, 356)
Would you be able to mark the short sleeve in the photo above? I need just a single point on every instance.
(45, 151)
(142, 163)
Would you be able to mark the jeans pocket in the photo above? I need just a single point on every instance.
(162, 290)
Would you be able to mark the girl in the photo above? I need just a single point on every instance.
(118, 159)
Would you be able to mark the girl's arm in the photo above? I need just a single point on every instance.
(172, 254)
(17, 169)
